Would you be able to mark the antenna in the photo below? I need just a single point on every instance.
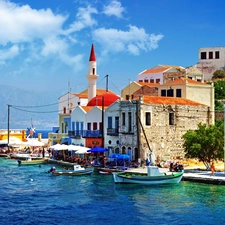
(107, 76)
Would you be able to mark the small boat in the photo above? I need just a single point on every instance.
(152, 177)
(24, 156)
(77, 171)
(109, 170)
(30, 161)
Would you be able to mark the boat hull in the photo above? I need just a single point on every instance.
(71, 173)
(132, 178)
(32, 162)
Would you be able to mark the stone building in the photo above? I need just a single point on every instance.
(164, 122)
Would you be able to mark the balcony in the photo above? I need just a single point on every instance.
(92, 133)
(126, 130)
(113, 131)
(75, 134)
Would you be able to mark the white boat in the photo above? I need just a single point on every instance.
(77, 171)
(24, 156)
(152, 177)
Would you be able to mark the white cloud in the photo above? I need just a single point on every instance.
(23, 24)
(84, 19)
(9, 52)
(114, 9)
(133, 40)
(40, 31)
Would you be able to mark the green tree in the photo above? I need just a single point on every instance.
(218, 74)
(205, 143)
(219, 89)
(218, 105)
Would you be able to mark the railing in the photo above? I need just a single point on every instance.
(113, 131)
(92, 133)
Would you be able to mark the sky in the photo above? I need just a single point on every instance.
(45, 45)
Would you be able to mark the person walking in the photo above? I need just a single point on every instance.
(212, 169)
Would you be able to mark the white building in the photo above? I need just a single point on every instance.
(210, 60)
(156, 74)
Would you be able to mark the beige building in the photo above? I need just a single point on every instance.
(192, 90)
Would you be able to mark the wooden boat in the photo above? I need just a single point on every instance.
(77, 171)
(152, 177)
(109, 170)
(30, 161)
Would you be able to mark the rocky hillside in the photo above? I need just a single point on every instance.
(40, 108)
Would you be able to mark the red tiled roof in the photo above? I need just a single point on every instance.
(87, 108)
(160, 69)
(169, 101)
(148, 84)
(84, 94)
(184, 80)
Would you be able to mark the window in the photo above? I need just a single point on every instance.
(210, 55)
(140, 81)
(73, 125)
(95, 125)
(157, 81)
(64, 110)
(146, 80)
(163, 92)
(82, 126)
(123, 119)
(147, 118)
(170, 93)
(171, 118)
(116, 122)
(127, 97)
(100, 126)
(89, 126)
(77, 125)
(151, 80)
(129, 121)
(109, 122)
(178, 93)
(93, 71)
(203, 55)
(217, 55)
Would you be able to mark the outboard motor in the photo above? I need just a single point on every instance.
(51, 170)
(19, 162)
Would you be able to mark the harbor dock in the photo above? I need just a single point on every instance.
(204, 177)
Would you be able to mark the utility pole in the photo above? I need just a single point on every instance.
(224, 133)
(103, 138)
(138, 130)
(8, 123)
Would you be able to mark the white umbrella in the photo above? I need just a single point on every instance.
(73, 147)
(12, 141)
(59, 147)
(82, 150)
(33, 142)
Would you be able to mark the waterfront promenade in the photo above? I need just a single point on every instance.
(192, 172)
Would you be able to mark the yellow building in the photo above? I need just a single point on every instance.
(18, 133)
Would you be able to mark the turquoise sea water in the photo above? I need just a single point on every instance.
(31, 196)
